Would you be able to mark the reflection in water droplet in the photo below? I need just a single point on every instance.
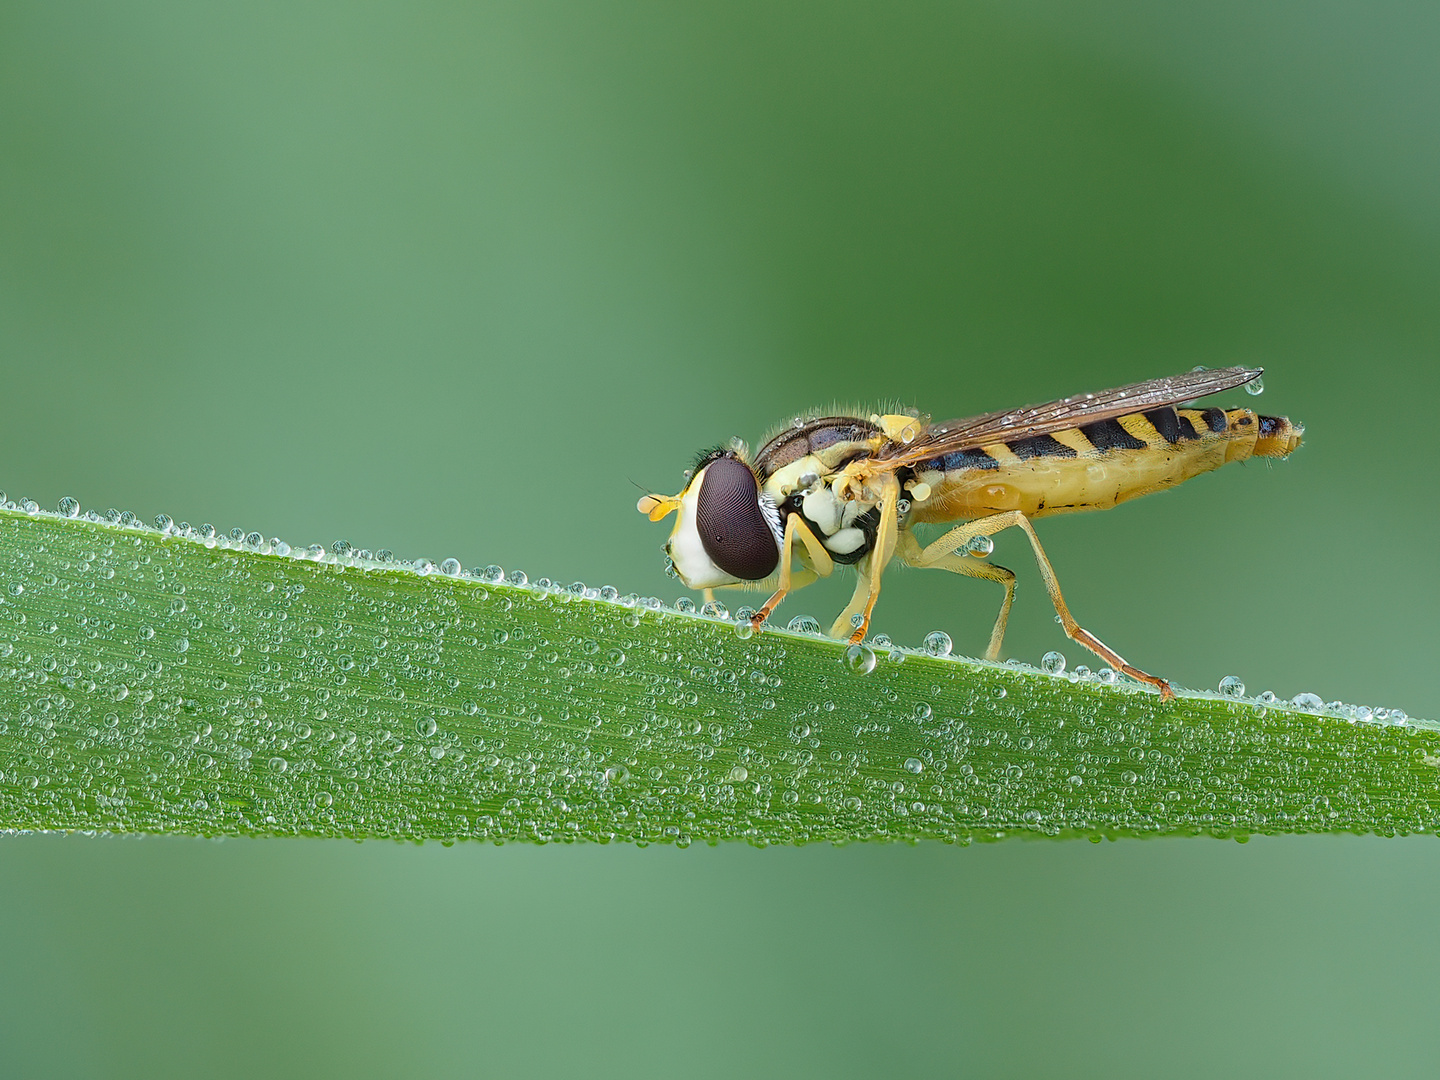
(978, 546)
(1255, 386)
(938, 643)
(914, 765)
(739, 773)
(1231, 686)
(860, 659)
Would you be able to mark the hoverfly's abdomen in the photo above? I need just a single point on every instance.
(1097, 465)
(1278, 436)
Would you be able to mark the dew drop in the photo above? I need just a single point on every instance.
(914, 765)
(69, 507)
(617, 774)
(1255, 386)
(1308, 702)
(803, 624)
(978, 546)
(860, 659)
(738, 774)
(686, 605)
(426, 726)
(278, 764)
(938, 643)
(493, 574)
(450, 567)
(1231, 686)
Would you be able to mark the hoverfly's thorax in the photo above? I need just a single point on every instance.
(831, 441)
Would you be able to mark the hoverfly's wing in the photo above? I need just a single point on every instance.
(1012, 424)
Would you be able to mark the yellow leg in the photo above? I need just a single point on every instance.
(867, 590)
(936, 553)
(909, 552)
(819, 557)
(845, 622)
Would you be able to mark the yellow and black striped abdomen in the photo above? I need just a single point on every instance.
(1094, 466)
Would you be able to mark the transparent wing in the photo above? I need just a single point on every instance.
(1012, 424)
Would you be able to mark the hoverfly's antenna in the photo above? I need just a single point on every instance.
(657, 507)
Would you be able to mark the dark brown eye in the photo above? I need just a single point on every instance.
(731, 525)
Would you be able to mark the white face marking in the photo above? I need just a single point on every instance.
(687, 552)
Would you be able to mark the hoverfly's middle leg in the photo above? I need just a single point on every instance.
(935, 552)
(820, 561)
(910, 554)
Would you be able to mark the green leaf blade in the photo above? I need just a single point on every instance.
(159, 683)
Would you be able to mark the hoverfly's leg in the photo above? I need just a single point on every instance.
(709, 595)
(910, 553)
(819, 558)
(845, 622)
(989, 526)
(879, 556)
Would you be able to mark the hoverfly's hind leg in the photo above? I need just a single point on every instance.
(935, 552)
(910, 554)
(867, 589)
(821, 565)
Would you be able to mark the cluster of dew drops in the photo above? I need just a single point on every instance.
(861, 658)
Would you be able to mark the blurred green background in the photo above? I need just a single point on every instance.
(453, 278)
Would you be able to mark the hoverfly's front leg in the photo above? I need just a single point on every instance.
(867, 590)
(820, 561)
(935, 553)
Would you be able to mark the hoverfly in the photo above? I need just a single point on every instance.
(837, 490)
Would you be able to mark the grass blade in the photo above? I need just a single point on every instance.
(154, 682)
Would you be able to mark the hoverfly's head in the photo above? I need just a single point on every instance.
(727, 530)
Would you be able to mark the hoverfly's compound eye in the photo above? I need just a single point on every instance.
(732, 526)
